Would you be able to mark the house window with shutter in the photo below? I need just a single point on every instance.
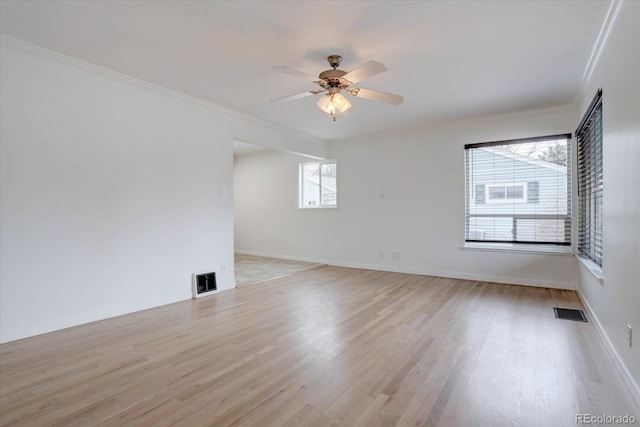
(518, 192)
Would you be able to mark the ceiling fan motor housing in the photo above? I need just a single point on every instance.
(333, 77)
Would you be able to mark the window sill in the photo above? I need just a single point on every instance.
(519, 248)
(594, 268)
(319, 208)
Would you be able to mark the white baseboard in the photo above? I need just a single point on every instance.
(426, 272)
(38, 328)
(634, 390)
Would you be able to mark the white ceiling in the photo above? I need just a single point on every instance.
(448, 59)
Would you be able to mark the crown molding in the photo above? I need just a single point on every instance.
(601, 41)
(129, 79)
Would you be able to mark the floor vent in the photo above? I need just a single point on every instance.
(570, 314)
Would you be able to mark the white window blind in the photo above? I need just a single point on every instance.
(518, 191)
(589, 136)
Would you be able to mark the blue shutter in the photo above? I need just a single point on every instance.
(480, 194)
(533, 192)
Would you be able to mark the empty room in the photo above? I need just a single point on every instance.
(316, 213)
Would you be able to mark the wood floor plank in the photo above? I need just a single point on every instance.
(323, 347)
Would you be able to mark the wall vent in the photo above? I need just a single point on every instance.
(204, 284)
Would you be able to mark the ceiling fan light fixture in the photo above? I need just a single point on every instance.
(333, 103)
(335, 82)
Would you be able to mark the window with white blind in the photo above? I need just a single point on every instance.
(589, 137)
(519, 191)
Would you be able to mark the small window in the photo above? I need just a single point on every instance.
(318, 185)
(506, 192)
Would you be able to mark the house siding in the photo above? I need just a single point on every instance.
(540, 181)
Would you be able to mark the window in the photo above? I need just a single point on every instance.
(318, 185)
(589, 136)
(518, 191)
(506, 192)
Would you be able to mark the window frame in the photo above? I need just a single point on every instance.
(565, 247)
(301, 186)
(589, 168)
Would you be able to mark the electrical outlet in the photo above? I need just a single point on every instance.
(380, 254)
(629, 335)
(223, 267)
(396, 255)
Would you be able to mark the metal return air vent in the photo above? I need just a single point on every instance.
(570, 314)
(204, 284)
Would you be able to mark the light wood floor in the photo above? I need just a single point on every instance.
(328, 346)
(250, 269)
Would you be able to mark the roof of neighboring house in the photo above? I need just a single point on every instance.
(526, 159)
(325, 184)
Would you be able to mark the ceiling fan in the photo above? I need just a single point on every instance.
(334, 82)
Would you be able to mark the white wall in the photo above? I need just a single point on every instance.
(402, 191)
(112, 192)
(267, 218)
(615, 300)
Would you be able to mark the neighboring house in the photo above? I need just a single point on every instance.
(313, 196)
(508, 189)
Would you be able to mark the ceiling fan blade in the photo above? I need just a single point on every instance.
(375, 95)
(294, 72)
(296, 96)
(365, 71)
